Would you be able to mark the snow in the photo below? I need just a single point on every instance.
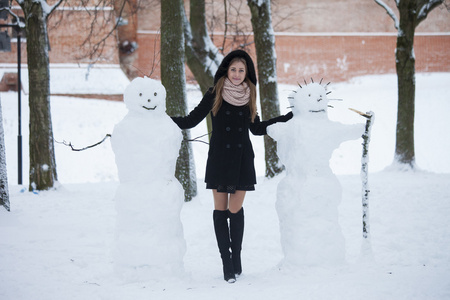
(59, 244)
(79, 79)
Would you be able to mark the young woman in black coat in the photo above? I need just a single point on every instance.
(230, 170)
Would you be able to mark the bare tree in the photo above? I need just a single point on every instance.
(411, 14)
(267, 74)
(173, 78)
(42, 155)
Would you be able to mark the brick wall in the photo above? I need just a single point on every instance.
(67, 30)
(335, 57)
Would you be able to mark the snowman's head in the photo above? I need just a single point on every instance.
(309, 99)
(145, 95)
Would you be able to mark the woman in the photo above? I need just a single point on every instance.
(230, 170)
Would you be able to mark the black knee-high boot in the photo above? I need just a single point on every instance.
(236, 233)
(222, 231)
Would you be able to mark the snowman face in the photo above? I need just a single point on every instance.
(145, 95)
(311, 98)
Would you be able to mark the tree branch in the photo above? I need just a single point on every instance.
(55, 6)
(390, 12)
(197, 139)
(96, 49)
(226, 25)
(85, 148)
(365, 115)
(426, 8)
(16, 17)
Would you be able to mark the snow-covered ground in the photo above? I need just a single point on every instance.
(58, 244)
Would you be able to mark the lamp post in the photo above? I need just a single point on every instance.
(19, 99)
(19, 108)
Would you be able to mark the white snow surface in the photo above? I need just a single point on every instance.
(74, 79)
(59, 244)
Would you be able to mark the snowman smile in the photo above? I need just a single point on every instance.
(149, 108)
(317, 111)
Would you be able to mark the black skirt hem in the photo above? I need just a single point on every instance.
(230, 189)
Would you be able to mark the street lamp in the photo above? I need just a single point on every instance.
(5, 45)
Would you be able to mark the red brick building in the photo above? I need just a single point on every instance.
(333, 39)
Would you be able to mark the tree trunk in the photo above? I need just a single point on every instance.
(202, 57)
(4, 194)
(365, 173)
(267, 75)
(405, 65)
(412, 12)
(42, 155)
(173, 79)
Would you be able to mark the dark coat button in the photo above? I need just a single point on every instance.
(240, 129)
(227, 112)
(239, 145)
(228, 146)
(228, 129)
(241, 113)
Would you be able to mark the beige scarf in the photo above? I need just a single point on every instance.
(237, 95)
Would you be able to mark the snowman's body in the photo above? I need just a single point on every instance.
(149, 235)
(309, 195)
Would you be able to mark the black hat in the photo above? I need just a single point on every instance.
(223, 68)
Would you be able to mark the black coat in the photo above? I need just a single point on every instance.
(230, 156)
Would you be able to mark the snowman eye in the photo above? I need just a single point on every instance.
(309, 95)
(155, 94)
(149, 100)
(140, 94)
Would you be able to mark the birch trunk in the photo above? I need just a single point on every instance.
(365, 174)
(4, 194)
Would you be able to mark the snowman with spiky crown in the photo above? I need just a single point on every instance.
(149, 234)
(309, 195)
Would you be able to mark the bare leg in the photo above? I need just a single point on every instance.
(224, 201)
(236, 201)
(220, 200)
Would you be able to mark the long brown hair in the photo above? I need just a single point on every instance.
(218, 88)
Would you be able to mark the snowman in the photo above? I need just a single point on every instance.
(149, 234)
(309, 195)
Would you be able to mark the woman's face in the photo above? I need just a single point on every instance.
(237, 72)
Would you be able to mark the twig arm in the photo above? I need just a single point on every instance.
(69, 144)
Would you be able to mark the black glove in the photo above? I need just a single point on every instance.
(283, 119)
(286, 117)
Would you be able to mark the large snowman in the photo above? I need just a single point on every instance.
(149, 233)
(309, 195)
